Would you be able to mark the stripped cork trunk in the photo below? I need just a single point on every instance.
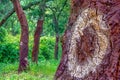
(91, 43)
(23, 61)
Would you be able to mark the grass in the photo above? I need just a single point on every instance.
(44, 70)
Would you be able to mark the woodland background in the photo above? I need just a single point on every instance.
(10, 38)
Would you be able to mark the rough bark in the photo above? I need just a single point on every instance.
(38, 31)
(23, 64)
(91, 43)
(12, 11)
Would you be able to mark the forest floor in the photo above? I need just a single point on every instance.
(44, 70)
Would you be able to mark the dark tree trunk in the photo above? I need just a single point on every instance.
(56, 26)
(56, 46)
(91, 43)
(24, 36)
(38, 31)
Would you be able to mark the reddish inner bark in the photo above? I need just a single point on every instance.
(86, 45)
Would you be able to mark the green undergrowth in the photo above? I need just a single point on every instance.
(44, 70)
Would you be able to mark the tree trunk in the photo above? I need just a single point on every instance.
(24, 36)
(56, 26)
(91, 43)
(56, 46)
(38, 31)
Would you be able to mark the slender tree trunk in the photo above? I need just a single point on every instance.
(56, 26)
(38, 31)
(24, 36)
(56, 46)
(91, 43)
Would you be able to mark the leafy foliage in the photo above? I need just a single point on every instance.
(9, 49)
(12, 24)
(2, 34)
(47, 47)
(10, 36)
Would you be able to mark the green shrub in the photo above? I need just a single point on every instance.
(8, 52)
(9, 49)
(2, 34)
(47, 47)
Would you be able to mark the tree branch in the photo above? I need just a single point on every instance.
(12, 11)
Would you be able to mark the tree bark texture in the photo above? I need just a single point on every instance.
(38, 31)
(24, 36)
(91, 43)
